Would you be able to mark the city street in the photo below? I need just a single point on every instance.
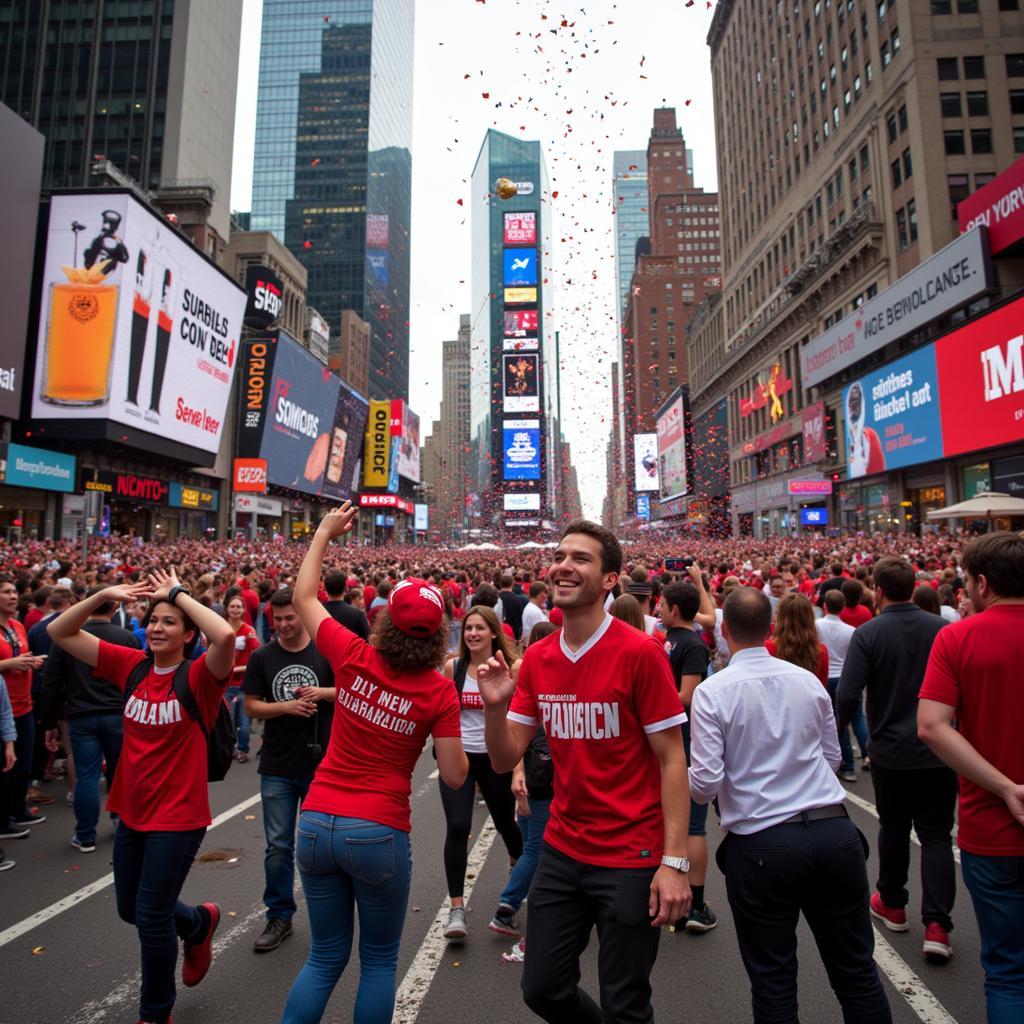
(68, 958)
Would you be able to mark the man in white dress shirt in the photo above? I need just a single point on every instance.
(836, 636)
(764, 742)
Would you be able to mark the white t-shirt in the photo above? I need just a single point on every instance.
(532, 614)
(472, 717)
(949, 614)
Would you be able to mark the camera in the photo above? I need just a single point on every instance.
(678, 564)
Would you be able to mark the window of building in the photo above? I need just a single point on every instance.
(981, 140)
(912, 220)
(844, 56)
(967, 6)
(1015, 65)
(954, 143)
(856, 88)
(852, 167)
(1018, 140)
(959, 189)
(1017, 101)
(847, 101)
(897, 174)
(835, 116)
(948, 69)
(881, 10)
(890, 124)
(865, 160)
(901, 229)
(1009, 5)
(974, 67)
(901, 117)
(942, 7)
(981, 180)
(950, 104)
(908, 167)
(894, 41)
(883, 49)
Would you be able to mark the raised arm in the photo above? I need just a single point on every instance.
(705, 616)
(66, 630)
(311, 612)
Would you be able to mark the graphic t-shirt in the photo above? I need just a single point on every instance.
(274, 674)
(471, 717)
(160, 783)
(382, 719)
(975, 667)
(19, 683)
(597, 706)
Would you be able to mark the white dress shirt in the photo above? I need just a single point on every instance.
(532, 614)
(764, 741)
(835, 635)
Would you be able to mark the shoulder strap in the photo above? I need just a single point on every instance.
(186, 698)
(137, 674)
(461, 667)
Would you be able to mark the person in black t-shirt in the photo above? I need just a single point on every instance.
(340, 610)
(288, 684)
(512, 605)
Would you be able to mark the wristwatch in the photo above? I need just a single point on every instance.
(172, 594)
(681, 864)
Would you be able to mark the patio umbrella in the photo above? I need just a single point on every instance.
(987, 505)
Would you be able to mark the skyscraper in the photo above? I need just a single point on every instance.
(630, 195)
(333, 162)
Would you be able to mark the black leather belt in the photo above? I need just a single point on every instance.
(817, 814)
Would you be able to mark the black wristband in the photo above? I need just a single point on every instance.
(172, 594)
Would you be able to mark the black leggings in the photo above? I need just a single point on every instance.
(458, 813)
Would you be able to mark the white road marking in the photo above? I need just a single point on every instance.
(416, 982)
(41, 917)
(919, 998)
(867, 805)
(434, 774)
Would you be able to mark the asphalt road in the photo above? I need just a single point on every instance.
(66, 957)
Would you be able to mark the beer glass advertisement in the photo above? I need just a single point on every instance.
(671, 428)
(343, 460)
(521, 382)
(645, 462)
(892, 416)
(298, 432)
(522, 449)
(136, 326)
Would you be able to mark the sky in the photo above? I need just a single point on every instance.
(585, 82)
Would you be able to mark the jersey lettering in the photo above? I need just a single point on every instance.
(580, 720)
(165, 712)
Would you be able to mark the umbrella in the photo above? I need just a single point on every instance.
(987, 505)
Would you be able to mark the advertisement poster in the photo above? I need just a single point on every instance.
(376, 231)
(520, 296)
(710, 452)
(522, 502)
(136, 326)
(521, 228)
(256, 366)
(35, 467)
(521, 382)
(815, 437)
(645, 462)
(520, 345)
(643, 506)
(981, 379)
(671, 428)
(408, 460)
(520, 266)
(297, 435)
(522, 449)
(377, 461)
(421, 518)
(999, 205)
(892, 416)
(520, 323)
(350, 416)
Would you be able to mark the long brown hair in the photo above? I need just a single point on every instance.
(499, 641)
(406, 653)
(627, 608)
(796, 638)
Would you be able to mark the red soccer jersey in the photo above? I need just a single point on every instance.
(856, 616)
(381, 722)
(19, 684)
(974, 667)
(160, 783)
(597, 706)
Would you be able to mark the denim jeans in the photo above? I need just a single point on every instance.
(532, 826)
(996, 885)
(860, 729)
(18, 777)
(93, 738)
(149, 870)
(346, 863)
(281, 796)
(239, 717)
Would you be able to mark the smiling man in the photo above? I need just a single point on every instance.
(614, 852)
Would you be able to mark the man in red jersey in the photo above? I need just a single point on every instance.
(614, 852)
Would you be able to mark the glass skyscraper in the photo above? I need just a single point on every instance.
(332, 173)
(629, 184)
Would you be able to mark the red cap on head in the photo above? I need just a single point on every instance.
(416, 607)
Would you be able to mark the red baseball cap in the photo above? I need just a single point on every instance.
(416, 607)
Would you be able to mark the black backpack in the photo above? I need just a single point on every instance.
(459, 678)
(540, 772)
(220, 741)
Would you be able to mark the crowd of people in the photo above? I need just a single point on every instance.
(600, 698)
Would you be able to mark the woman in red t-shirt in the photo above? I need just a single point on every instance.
(353, 834)
(160, 790)
(246, 641)
(796, 638)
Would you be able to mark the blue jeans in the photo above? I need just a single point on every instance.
(93, 738)
(239, 717)
(860, 728)
(149, 870)
(996, 885)
(281, 796)
(344, 863)
(532, 826)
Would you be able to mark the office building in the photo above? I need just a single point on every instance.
(349, 351)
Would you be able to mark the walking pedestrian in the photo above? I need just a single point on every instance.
(246, 641)
(836, 635)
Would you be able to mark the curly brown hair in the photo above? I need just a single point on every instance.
(406, 653)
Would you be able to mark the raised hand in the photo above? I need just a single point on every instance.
(162, 583)
(128, 591)
(338, 521)
(495, 681)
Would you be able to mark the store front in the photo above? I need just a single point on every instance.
(258, 517)
(30, 481)
(767, 508)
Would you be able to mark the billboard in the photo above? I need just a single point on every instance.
(521, 382)
(136, 326)
(520, 323)
(256, 366)
(377, 457)
(521, 444)
(671, 428)
(645, 462)
(521, 228)
(643, 506)
(405, 425)
(341, 479)
(38, 468)
(814, 434)
(189, 496)
(520, 267)
(377, 231)
(421, 518)
(265, 297)
(710, 452)
(520, 296)
(522, 502)
(814, 517)
(520, 344)
(999, 205)
(892, 416)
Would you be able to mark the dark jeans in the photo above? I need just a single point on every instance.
(859, 725)
(566, 900)
(996, 885)
(93, 738)
(240, 719)
(819, 869)
(926, 799)
(149, 870)
(18, 778)
(532, 827)
(458, 807)
(281, 797)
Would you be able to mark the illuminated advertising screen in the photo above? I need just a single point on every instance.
(645, 462)
(520, 296)
(520, 323)
(341, 479)
(711, 452)
(377, 458)
(421, 518)
(671, 428)
(136, 326)
(520, 266)
(521, 376)
(409, 446)
(521, 228)
(892, 416)
(522, 449)
(643, 506)
(522, 502)
(520, 345)
(376, 231)
(814, 517)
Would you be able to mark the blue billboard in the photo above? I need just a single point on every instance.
(814, 517)
(522, 449)
(35, 467)
(520, 266)
(891, 416)
(643, 506)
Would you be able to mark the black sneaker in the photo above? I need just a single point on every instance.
(701, 919)
(29, 819)
(504, 921)
(277, 930)
(12, 831)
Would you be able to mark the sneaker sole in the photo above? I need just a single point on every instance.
(937, 951)
(6, 865)
(15, 835)
(904, 927)
(455, 936)
(502, 930)
(699, 926)
(83, 847)
(270, 949)
(29, 824)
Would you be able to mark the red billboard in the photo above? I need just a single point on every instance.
(815, 441)
(520, 323)
(981, 381)
(521, 228)
(1000, 206)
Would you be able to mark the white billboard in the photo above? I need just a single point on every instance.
(409, 441)
(421, 517)
(136, 326)
(645, 462)
(522, 502)
(671, 427)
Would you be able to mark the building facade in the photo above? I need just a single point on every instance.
(349, 351)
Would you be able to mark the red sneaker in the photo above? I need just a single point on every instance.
(936, 943)
(198, 954)
(895, 919)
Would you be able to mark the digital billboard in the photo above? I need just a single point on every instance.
(520, 323)
(340, 478)
(136, 326)
(814, 433)
(520, 267)
(521, 228)
(999, 205)
(711, 452)
(814, 517)
(421, 518)
(520, 344)
(377, 231)
(38, 468)
(671, 428)
(522, 502)
(522, 449)
(645, 462)
(256, 367)
(405, 425)
(520, 296)
(892, 416)
(643, 506)
(264, 297)
(377, 457)
(521, 379)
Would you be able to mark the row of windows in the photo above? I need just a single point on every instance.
(949, 68)
(906, 225)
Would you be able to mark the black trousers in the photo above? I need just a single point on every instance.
(926, 799)
(818, 869)
(458, 813)
(567, 899)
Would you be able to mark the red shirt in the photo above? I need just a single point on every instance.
(252, 604)
(974, 667)
(19, 683)
(597, 707)
(32, 616)
(822, 670)
(160, 783)
(381, 722)
(246, 641)
(856, 616)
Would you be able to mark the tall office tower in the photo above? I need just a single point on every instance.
(455, 413)
(513, 357)
(630, 196)
(333, 162)
(130, 93)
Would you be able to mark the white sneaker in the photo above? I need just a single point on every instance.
(6, 864)
(455, 930)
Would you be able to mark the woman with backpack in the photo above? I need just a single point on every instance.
(160, 791)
